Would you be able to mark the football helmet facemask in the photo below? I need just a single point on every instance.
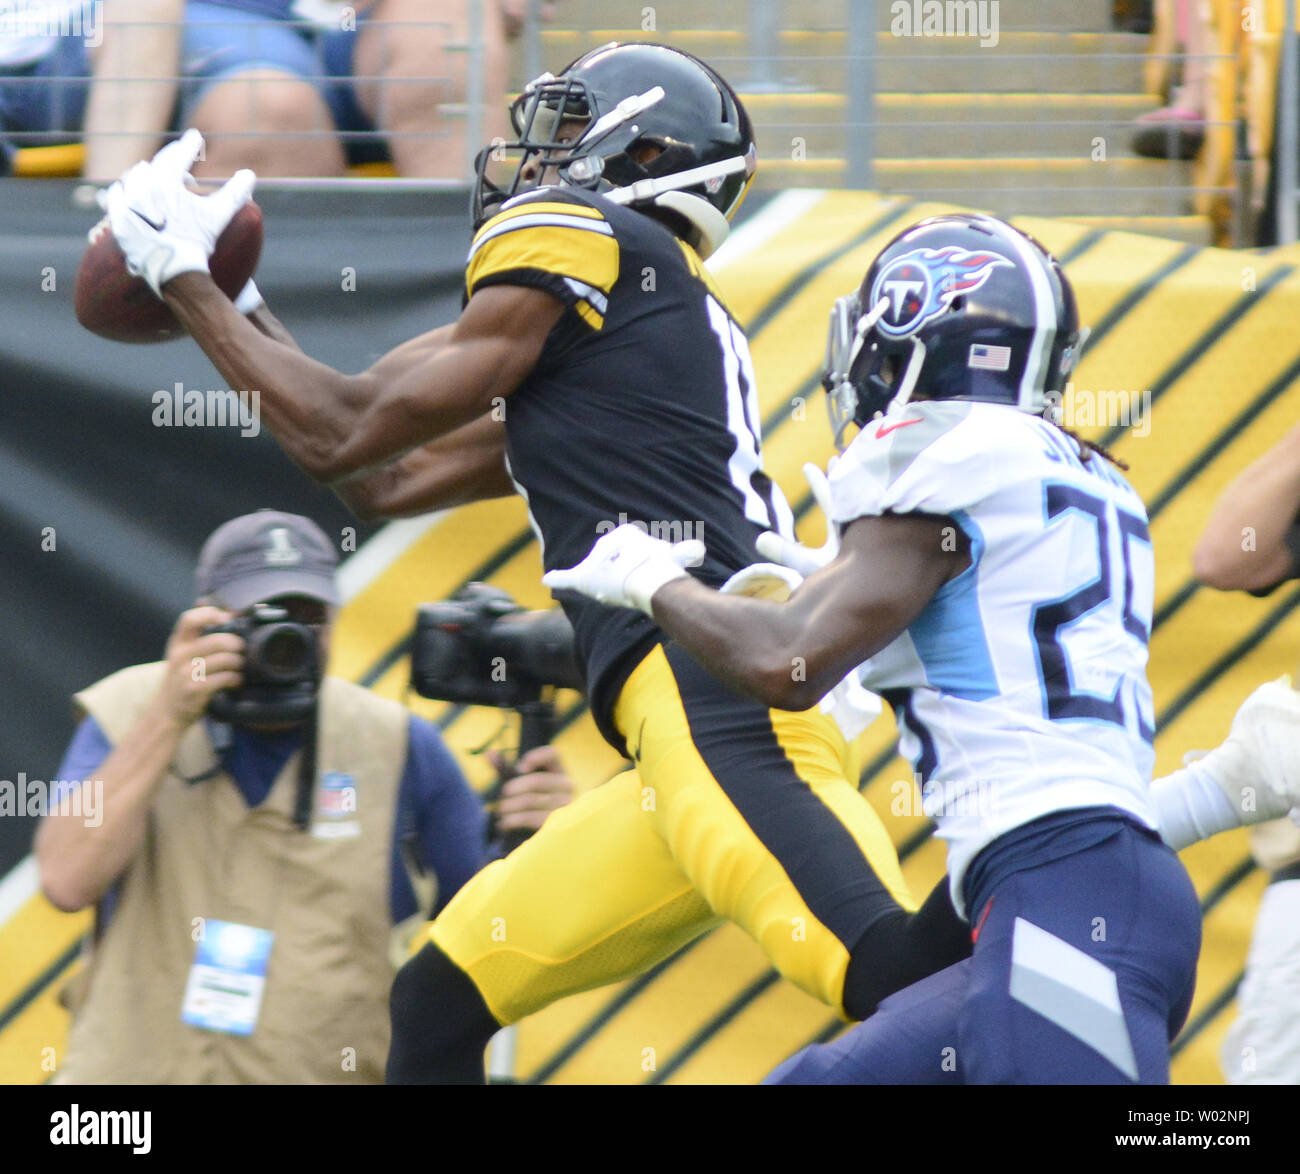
(962, 307)
(638, 101)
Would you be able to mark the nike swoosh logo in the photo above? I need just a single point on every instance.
(154, 224)
(886, 429)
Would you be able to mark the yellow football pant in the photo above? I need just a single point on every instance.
(735, 811)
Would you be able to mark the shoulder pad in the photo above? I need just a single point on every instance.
(935, 458)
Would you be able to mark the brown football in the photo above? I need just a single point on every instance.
(113, 304)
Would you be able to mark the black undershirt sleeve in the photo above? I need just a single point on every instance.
(902, 948)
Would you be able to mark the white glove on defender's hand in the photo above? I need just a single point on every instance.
(788, 553)
(164, 228)
(763, 581)
(851, 704)
(1258, 764)
(626, 567)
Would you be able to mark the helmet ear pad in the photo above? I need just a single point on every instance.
(705, 226)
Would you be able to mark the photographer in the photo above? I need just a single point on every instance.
(249, 872)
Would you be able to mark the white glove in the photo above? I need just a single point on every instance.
(851, 704)
(626, 567)
(788, 553)
(164, 228)
(763, 581)
(1258, 764)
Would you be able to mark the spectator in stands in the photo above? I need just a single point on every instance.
(1176, 131)
(1252, 543)
(1132, 16)
(254, 82)
(515, 15)
(286, 87)
(247, 876)
(394, 58)
(42, 70)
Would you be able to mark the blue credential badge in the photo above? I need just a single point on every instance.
(224, 990)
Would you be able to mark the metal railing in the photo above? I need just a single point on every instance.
(1287, 117)
(792, 59)
(861, 93)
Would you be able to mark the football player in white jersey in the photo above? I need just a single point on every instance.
(992, 577)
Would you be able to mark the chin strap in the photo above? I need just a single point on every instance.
(711, 226)
(904, 394)
(645, 190)
(863, 328)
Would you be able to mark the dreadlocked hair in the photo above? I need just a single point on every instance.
(1087, 448)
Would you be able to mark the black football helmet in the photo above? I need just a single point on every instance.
(632, 96)
(956, 307)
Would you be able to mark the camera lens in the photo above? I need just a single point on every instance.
(283, 652)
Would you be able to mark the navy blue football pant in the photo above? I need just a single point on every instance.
(1087, 931)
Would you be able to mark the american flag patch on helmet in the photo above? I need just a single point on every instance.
(989, 358)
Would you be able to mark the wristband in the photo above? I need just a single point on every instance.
(643, 581)
(250, 298)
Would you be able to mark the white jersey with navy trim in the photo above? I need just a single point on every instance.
(1021, 689)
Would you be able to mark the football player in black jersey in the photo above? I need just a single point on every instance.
(625, 397)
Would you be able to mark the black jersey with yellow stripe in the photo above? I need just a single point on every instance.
(642, 407)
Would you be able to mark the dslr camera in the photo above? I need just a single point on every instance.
(282, 669)
(481, 648)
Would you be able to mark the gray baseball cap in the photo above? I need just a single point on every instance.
(262, 555)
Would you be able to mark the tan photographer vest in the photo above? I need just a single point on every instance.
(207, 855)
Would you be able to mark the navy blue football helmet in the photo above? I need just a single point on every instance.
(636, 100)
(956, 307)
